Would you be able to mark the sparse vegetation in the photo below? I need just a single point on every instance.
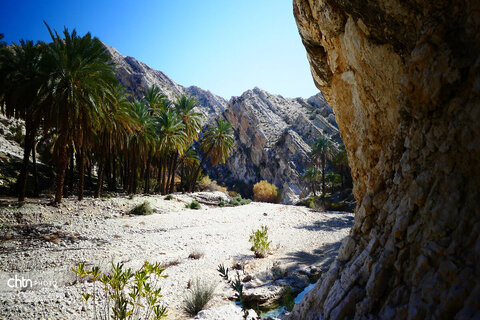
(193, 205)
(239, 201)
(206, 184)
(127, 293)
(260, 243)
(264, 191)
(142, 209)
(236, 284)
(198, 296)
(168, 197)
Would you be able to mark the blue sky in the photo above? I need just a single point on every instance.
(225, 46)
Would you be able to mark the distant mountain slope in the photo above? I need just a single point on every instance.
(136, 76)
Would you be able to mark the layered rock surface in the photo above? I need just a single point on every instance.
(273, 139)
(403, 79)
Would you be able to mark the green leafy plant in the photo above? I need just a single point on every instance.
(221, 204)
(193, 205)
(261, 245)
(197, 297)
(142, 209)
(127, 294)
(168, 197)
(236, 284)
(131, 196)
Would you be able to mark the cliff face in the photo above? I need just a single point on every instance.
(403, 79)
(273, 138)
(136, 76)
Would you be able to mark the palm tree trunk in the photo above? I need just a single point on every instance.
(197, 171)
(173, 169)
(81, 172)
(147, 175)
(164, 173)
(36, 190)
(323, 175)
(71, 175)
(114, 178)
(22, 179)
(61, 168)
(98, 190)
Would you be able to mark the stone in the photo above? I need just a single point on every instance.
(403, 80)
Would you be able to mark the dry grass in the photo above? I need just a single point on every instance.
(172, 263)
(195, 255)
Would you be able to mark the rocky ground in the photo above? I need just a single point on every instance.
(42, 243)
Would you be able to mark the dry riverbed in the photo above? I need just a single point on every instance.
(42, 243)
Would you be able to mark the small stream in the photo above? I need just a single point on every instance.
(278, 311)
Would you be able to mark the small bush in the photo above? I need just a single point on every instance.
(206, 184)
(168, 197)
(266, 192)
(127, 292)
(239, 201)
(197, 297)
(261, 245)
(193, 205)
(143, 209)
(131, 196)
(221, 204)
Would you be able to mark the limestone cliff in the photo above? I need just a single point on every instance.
(403, 78)
(273, 138)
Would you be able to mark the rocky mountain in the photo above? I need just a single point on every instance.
(136, 76)
(273, 138)
(273, 133)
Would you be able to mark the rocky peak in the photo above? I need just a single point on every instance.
(136, 76)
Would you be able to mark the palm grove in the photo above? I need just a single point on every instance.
(66, 91)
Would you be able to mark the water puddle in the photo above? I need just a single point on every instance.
(278, 311)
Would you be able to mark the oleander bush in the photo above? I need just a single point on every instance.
(122, 293)
(260, 243)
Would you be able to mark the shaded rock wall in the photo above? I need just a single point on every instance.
(403, 78)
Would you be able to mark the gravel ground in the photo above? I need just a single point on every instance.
(42, 243)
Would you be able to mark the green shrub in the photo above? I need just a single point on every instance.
(197, 297)
(261, 245)
(266, 192)
(143, 209)
(193, 205)
(131, 196)
(239, 201)
(168, 197)
(127, 293)
(236, 284)
(221, 204)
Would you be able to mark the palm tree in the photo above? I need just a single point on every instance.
(155, 100)
(192, 120)
(311, 175)
(217, 144)
(173, 142)
(81, 70)
(322, 150)
(22, 67)
(341, 162)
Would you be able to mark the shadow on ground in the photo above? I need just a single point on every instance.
(332, 224)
